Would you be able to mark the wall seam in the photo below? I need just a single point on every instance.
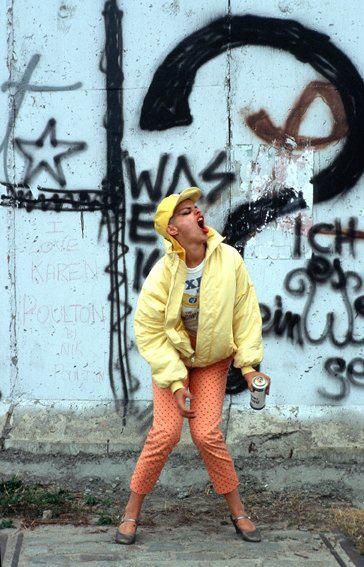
(11, 221)
(228, 84)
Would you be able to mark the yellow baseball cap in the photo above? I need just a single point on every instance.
(166, 208)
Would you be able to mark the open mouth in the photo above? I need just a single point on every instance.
(201, 224)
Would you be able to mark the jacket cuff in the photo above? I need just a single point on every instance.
(176, 386)
(247, 369)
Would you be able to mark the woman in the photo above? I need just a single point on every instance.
(196, 313)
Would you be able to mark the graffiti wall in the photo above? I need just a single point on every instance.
(108, 106)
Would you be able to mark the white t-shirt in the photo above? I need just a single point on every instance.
(191, 298)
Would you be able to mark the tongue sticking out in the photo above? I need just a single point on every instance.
(201, 224)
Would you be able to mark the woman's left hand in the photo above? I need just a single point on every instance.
(251, 375)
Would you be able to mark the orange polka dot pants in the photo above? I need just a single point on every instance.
(207, 385)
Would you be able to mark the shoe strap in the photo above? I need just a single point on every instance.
(124, 519)
(243, 516)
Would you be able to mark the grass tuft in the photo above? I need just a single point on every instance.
(18, 498)
(105, 520)
(351, 522)
(6, 524)
(90, 500)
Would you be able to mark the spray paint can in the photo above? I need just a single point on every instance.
(257, 398)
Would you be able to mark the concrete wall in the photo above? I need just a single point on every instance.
(107, 107)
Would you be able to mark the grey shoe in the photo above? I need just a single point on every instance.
(126, 538)
(253, 535)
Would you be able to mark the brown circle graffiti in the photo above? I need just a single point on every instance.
(261, 124)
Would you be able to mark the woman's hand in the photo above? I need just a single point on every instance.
(251, 375)
(180, 397)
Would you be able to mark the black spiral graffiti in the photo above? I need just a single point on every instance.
(166, 102)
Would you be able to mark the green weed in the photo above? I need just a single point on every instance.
(6, 524)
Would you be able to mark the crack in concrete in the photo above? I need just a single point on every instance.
(12, 103)
(281, 434)
(332, 550)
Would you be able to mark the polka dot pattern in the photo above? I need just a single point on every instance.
(207, 385)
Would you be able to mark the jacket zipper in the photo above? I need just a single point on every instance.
(202, 280)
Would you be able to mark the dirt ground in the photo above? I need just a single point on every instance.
(27, 506)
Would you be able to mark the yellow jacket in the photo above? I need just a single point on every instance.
(229, 321)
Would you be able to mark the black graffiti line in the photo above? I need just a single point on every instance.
(182, 166)
(40, 88)
(112, 197)
(166, 102)
(248, 218)
(21, 88)
(144, 179)
(137, 181)
(349, 236)
(240, 226)
(113, 183)
(335, 368)
(282, 322)
(307, 286)
(353, 374)
(328, 332)
(49, 132)
(69, 191)
(304, 282)
(22, 198)
(115, 216)
(224, 178)
(56, 203)
(358, 305)
(208, 174)
(17, 102)
(142, 267)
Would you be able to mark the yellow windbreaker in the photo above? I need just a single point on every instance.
(229, 321)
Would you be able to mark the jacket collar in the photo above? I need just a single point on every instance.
(174, 248)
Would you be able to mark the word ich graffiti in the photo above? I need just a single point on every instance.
(350, 235)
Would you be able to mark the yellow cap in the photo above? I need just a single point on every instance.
(166, 208)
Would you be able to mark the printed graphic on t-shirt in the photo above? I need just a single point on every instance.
(191, 295)
(191, 303)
